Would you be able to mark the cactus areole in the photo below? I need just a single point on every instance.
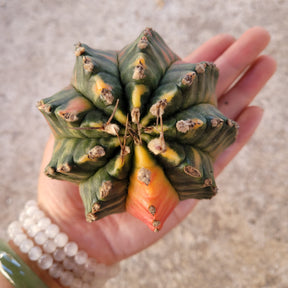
(137, 129)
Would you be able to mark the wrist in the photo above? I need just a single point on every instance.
(51, 254)
(42, 274)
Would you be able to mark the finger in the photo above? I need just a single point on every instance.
(239, 55)
(235, 100)
(248, 121)
(211, 49)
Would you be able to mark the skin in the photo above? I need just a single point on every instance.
(119, 236)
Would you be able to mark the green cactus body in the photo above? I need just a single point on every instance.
(137, 129)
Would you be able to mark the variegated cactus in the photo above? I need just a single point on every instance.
(138, 129)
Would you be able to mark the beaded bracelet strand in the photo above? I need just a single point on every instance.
(43, 242)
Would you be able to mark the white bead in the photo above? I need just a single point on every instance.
(55, 270)
(79, 270)
(49, 246)
(68, 263)
(19, 238)
(81, 257)
(14, 228)
(61, 239)
(66, 278)
(44, 222)
(31, 210)
(35, 253)
(40, 238)
(22, 216)
(71, 248)
(26, 245)
(14, 225)
(77, 283)
(59, 254)
(38, 215)
(33, 230)
(45, 261)
(28, 222)
(91, 265)
(30, 203)
(52, 230)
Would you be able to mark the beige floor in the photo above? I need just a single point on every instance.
(240, 239)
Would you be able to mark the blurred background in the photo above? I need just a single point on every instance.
(238, 239)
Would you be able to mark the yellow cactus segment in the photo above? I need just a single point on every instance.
(99, 86)
(119, 163)
(171, 156)
(120, 116)
(84, 159)
(138, 91)
(169, 95)
(184, 126)
(142, 157)
(151, 197)
(140, 61)
(96, 125)
(197, 123)
(197, 158)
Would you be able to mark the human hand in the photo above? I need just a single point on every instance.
(119, 236)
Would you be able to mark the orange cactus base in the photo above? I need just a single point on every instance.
(151, 197)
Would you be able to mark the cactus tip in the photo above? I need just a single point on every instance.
(64, 168)
(200, 68)
(96, 152)
(148, 32)
(156, 223)
(144, 176)
(158, 108)
(46, 108)
(112, 129)
(184, 126)
(192, 171)
(87, 64)
(68, 116)
(188, 79)
(139, 71)
(90, 217)
(96, 207)
(157, 146)
(143, 43)
(135, 115)
(79, 49)
(208, 182)
(105, 189)
(152, 209)
(216, 122)
(106, 96)
(50, 171)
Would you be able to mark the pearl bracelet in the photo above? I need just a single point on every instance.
(42, 240)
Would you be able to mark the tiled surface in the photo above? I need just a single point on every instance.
(240, 238)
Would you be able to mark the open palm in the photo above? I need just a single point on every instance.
(119, 236)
